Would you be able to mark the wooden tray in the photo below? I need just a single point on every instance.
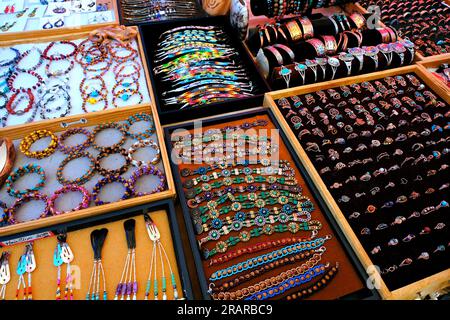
(18, 132)
(31, 35)
(414, 290)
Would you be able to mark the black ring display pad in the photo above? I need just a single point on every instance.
(389, 255)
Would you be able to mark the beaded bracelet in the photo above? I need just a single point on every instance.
(270, 282)
(148, 170)
(20, 172)
(142, 144)
(320, 284)
(136, 118)
(102, 97)
(4, 214)
(267, 258)
(55, 57)
(300, 205)
(76, 148)
(194, 199)
(119, 69)
(267, 229)
(122, 83)
(283, 217)
(247, 171)
(85, 177)
(239, 280)
(262, 246)
(125, 95)
(12, 78)
(110, 125)
(290, 283)
(11, 106)
(26, 198)
(58, 73)
(27, 53)
(227, 181)
(8, 62)
(31, 138)
(93, 54)
(116, 46)
(93, 93)
(107, 180)
(108, 152)
(66, 189)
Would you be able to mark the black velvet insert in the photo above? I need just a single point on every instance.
(433, 173)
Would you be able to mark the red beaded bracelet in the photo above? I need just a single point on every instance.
(12, 78)
(14, 97)
(55, 57)
(66, 189)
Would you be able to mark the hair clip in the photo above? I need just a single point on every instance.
(63, 254)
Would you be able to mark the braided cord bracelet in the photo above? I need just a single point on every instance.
(18, 173)
(221, 292)
(313, 288)
(290, 283)
(66, 189)
(268, 258)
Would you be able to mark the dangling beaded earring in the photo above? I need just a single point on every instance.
(97, 240)
(27, 264)
(63, 254)
(155, 237)
(128, 283)
(5, 274)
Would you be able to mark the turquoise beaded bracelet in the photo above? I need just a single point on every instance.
(20, 172)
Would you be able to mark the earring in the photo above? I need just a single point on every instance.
(48, 25)
(7, 9)
(21, 13)
(59, 23)
(13, 8)
(33, 13)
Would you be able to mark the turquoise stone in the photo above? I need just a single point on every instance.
(94, 94)
(125, 97)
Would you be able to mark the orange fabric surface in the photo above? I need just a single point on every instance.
(347, 280)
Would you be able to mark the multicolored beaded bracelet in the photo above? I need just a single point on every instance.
(148, 170)
(76, 148)
(12, 78)
(237, 138)
(270, 282)
(28, 141)
(107, 153)
(18, 173)
(121, 67)
(102, 97)
(219, 289)
(267, 229)
(137, 118)
(290, 283)
(56, 57)
(320, 284)
(116, 46)
(129, 192)
(66, 189)
(26, 198)
(124, 84)
(143, 144)
(125, 95)
(110, 125)
(85, 177)
(33, 67)
(267, 258)
(3, 213)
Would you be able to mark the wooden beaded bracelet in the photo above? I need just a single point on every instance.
(109, 125)
(108, 152)
(129, 192)
(20, 172)
(124, 84)
(88, 56)
(148, 170)
(66, 189)
(116, 46)
(30, 139)
(320, 284)
(125, 95)
(92, 101)
(24, 199)
(76, 148)
(92, 93)
(80, 180)
(56, 57)
(136, 118)
(142, 144)
(120, 68)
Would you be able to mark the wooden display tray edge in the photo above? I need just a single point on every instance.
(434, 62)
(414, 290)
